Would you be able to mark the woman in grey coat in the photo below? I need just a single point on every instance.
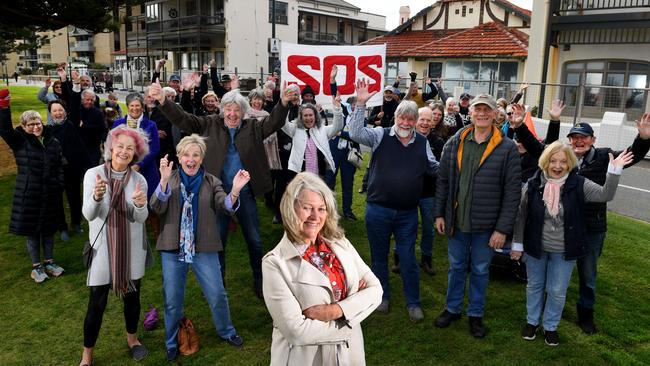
(115, 205)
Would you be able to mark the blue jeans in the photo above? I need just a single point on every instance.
(381, 223)
(550, 274)
(426, 216)
(461, 247)
(250, 227)
(207, 270)
(347, 174)
(587, 269)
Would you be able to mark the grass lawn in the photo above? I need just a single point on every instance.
(43, 323)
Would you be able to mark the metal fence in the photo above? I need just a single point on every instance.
(584, 102)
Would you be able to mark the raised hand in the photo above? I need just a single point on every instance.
(234, 83)
(206, 68)
(139, 197)
(623, 159)
(518, 112)
(156, 92)
(48, 82)
(319, 107)
(100, 188)
(60, 70)
(643, 126)
(188, 83)
(439, 81)
(160, 64)
(523, 87)
(165, 170)
(335, 70)
(75, 77)
(362, 92)
(239, 181)
(555, 111)
(289, 93)
(427, 80)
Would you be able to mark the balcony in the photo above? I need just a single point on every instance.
(213, 24)
(311, 37)
(586, 7)
(83, 46)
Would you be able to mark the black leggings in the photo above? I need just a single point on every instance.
(97, 305)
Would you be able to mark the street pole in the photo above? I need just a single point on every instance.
(272, 34)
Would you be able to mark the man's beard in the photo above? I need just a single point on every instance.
(403, 133)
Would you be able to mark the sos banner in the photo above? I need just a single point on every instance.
(311, 65)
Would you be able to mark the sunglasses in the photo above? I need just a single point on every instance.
(509, 113)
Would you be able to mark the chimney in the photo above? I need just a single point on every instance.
(404, 14)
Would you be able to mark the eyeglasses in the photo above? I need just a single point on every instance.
(509, 113)
(31, 126)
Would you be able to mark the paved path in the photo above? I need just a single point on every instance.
(633, 195)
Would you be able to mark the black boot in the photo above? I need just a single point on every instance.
(586, 320)
(426, 265)
(395, 268)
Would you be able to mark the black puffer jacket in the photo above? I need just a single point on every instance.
(39, 183)
(496, 191)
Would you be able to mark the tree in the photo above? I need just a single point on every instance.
(20, 19)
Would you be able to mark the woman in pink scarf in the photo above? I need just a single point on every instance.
(550, 231)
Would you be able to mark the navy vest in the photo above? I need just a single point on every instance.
(596, 171)
(396, 172)
(573, 202)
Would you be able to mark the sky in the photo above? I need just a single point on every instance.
(390, 8)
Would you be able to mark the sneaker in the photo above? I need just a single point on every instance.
(38, 274)
(445, 318)
(384, 307)
(528, 333)
(172, 354)
(65, 236)
(53, 269)
(416, 314)
(350, 216)
(235, 341)
(551, 338)
(476, 327)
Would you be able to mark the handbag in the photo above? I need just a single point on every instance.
(188, 340)
(355, 158)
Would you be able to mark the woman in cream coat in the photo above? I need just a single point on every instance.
(316, 286)
(115, 205)
(309, 126)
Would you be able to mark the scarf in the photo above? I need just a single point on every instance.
(119, 235)
(552, 194)
(53, 122)
(190, 186)
(311, 155)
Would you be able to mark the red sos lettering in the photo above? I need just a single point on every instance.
(350, 63)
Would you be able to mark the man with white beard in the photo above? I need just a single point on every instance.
(400, 159)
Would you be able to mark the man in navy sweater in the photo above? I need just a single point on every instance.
(400, 159)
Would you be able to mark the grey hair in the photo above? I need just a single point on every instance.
(86, 92)
(449, 101)
(169, 90)
(234, 97)
(134, 96)
(256, 93)
(187, 141)
(28, 116)
(269, 85)
(407, 108)
(317, 120)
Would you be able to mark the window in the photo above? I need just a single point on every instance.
(457, 11)
(190, 7)
(281, 12)
(488, 72)
(435, 70)
(609, 85)
(471, 10)
(153, 12)
(464, 10)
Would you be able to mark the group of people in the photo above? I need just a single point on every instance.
(190, 162)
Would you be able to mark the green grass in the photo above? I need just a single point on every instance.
(43, 323)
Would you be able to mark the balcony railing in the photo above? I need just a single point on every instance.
(83, 46)
(578, 7)
(185, 23)
(319, 38)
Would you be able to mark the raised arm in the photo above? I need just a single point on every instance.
(175, 114)
(606, 192)
(641, 143)
(363, 135)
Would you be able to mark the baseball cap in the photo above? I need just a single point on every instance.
(486, 99)
(389, 89)
(465, 96)
(225, 78)
(582, 128)
(174, 77)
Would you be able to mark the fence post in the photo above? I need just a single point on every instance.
(261, 76)
(580, 99)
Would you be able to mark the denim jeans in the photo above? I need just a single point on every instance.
(250, 227)
(207, 271)
(426, 205)
(381, 223)
(587, 269)
(550, 274)
(347, 174)
(465, 249)
(34, 243)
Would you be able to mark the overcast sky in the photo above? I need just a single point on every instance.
(390, 8)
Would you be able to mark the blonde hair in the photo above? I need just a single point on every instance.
(306, 181)
(193, 139)
(30, 115)
(552, 149)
